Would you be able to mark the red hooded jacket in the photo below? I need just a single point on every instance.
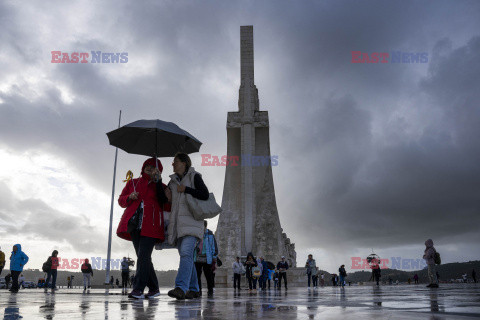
(152, 225)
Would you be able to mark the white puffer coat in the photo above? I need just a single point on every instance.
(182, 223)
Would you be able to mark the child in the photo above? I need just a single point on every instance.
(275, 279)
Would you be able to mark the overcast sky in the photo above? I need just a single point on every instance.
(375, 156)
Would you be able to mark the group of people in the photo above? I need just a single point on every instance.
(157, 214)
(259, 270)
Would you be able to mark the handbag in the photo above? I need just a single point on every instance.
(203, 209)
(135, 222)
(219, 262)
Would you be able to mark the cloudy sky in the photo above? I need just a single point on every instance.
(375, 156)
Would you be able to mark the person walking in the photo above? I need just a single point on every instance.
(377, 273)
(264, 277)
(69, 282)
(311, 267)
(87, 272)
(125, 274)
(270, 277)
(142, 223)
(8, 278)
(429, 256)
(184, 230)
(322, 280)
(251, 263)
(275, 279)
(18, 259)
(315, 275)
(474, 276)
(53, 264)
(343, 275)
(205, 258)
(415, 278)
(238, 270)
(282, 267)
(2, 261)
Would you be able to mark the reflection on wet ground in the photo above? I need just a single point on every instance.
(452, 301)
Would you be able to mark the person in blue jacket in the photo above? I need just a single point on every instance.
(264, 276)
(205, 256)
(17, 260)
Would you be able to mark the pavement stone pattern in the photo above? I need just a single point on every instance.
(450, 301)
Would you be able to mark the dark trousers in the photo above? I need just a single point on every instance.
(125, 276)
(15, 275)
(252, 283)
(236, 280)
(284, 276)
(315, 281)
(207, 269)
(1, 269)
(263, 283)
(145, 275)
(309, 276)
(51, 274)
(268, 283)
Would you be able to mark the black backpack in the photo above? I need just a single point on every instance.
(47, 265)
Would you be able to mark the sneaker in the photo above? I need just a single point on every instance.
(135, 294)
(177, 293)
(430, 285)
(152, 294)
(434, 285)
(192, 295)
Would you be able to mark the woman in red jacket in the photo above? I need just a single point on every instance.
(144, 229)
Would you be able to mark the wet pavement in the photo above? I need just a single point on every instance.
(450, 301)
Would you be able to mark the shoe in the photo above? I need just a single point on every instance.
(152, 294)
(177, 293)
(434, 285)
(430, 285)
(192, 295)
(210, 293)
(135, 294)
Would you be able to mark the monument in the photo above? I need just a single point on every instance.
(249, 221)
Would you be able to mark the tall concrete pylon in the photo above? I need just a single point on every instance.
(249, 221)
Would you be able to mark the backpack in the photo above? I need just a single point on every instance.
(256, 271)
(436, 258)
(47, 265)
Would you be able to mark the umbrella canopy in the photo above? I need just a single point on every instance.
(153, 138)
(271, 265)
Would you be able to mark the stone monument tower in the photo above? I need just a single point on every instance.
(249, 221)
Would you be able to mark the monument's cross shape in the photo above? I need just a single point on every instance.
(250, 221)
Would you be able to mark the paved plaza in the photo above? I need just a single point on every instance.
(450, 301)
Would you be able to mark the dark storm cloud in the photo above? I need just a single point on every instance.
(410, 188)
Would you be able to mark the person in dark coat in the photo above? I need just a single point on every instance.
(146, 229)
(282, 267)
(250, 263)
(474, 276)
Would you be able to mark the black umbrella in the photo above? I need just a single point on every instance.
(270, 265)
(153, 138)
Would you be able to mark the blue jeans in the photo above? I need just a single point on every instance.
(342, 280)
(52, 274)
(187, 274)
